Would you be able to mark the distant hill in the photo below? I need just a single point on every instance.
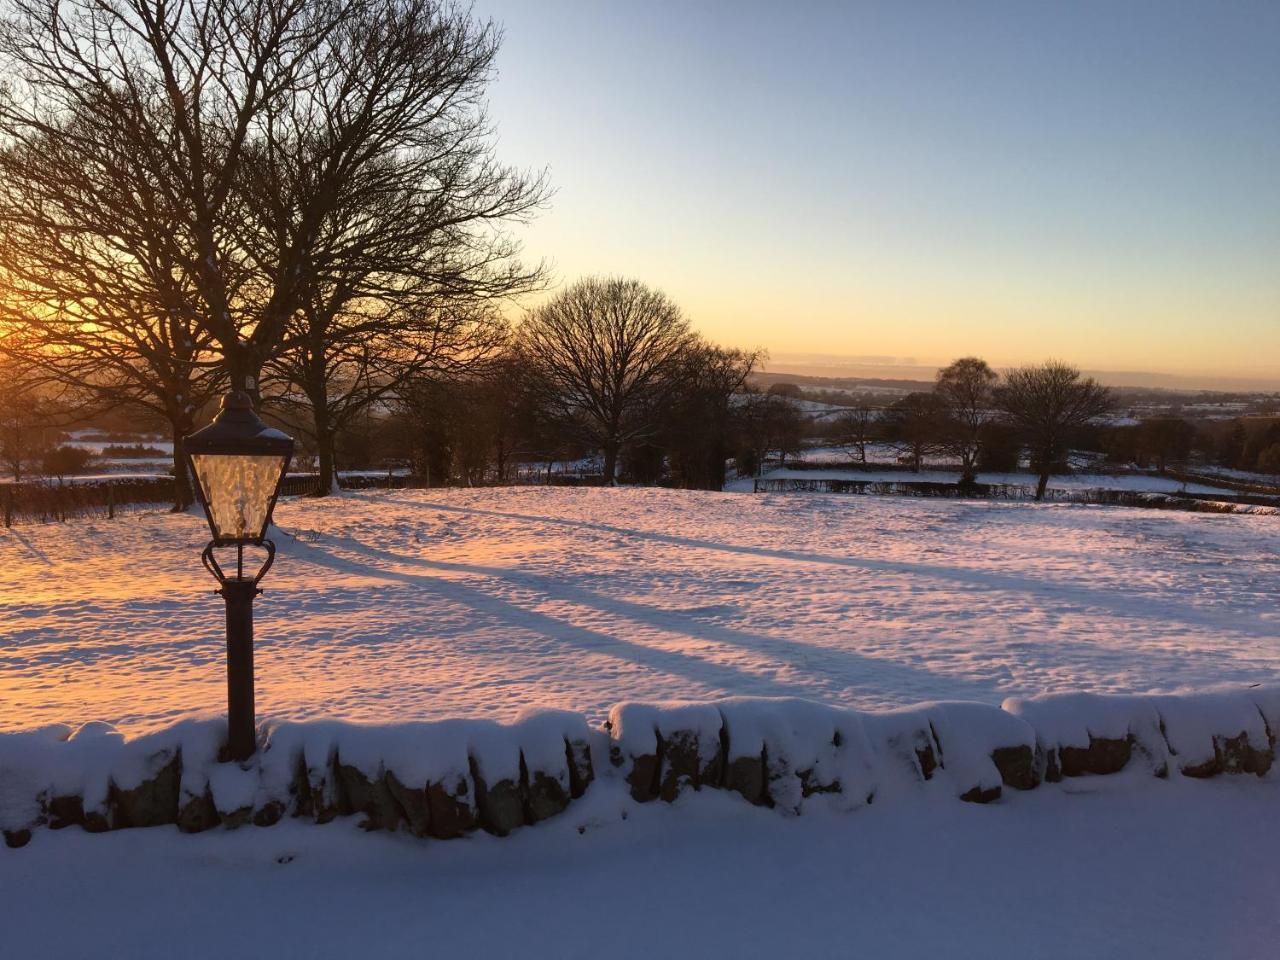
(836, 372)
(765, 378)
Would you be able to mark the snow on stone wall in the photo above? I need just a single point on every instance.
(444, 779)
(1199, 735)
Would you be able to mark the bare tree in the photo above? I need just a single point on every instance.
(91, 278)
(95, 329)
(916, 426)
(385, 192)
(189, 90)
(607, 350)
(262, 139)
(1048, 404)
(1165, 440)
(852, 430)
(344, 363)
(764, 423)
(22, 418)
(698, 420)
(964, 387)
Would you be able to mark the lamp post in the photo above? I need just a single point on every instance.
(238, 463)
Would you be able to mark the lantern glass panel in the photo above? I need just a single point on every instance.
(239, 491)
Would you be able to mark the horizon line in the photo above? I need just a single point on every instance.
(880, 367)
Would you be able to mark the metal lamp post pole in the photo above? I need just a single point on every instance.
(239, 592)
(241, 739)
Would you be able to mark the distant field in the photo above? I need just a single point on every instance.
(419, 604)
(1073, 481)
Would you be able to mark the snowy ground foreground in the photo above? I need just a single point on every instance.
(478, 603)
(1101, 867)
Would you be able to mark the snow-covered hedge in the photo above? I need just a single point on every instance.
(447, 778)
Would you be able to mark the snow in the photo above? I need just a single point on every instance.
(96, 442)
(968, 733)
(1074, 481)
(1191, 723)
(1248, 476)
(230, 787)
(883, 453)
(1107, 867)
(54, 761)
(391, 607)
(1185, 725)
(23, 761)
(635, 727)
(961, 735)
(447, 627)
(1073, 719)
(802, 740)
(819, 411)
(542, 735)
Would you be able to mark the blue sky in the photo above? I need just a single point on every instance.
(1098, 182)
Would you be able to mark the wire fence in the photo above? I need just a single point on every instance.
(56, 500)
(61, 501)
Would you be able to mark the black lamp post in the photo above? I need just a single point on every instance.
(238, 463)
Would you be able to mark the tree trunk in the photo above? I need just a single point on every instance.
(317, 391)
(716, 466)
(183, 491)
(1042, 485)
(610, 462)
(244, 370)
(325, 457)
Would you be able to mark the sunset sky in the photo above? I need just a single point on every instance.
(1093, 181)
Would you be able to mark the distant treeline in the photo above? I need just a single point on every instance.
(327, 227)
(919, 426)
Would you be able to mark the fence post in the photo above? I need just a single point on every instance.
(8, 506)
(111, 501)
(755, 484)
(60, 503)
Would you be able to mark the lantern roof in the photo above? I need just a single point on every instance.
(237, 429)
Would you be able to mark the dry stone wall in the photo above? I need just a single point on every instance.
(449, 778)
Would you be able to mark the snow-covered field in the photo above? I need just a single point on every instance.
(427, 604)
(1100, 868)
(888, 453)
(1071, 481)
(1090, 474)
(423, 604)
